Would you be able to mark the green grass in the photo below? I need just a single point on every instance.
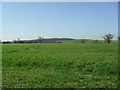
(0, 66)
(60, 65)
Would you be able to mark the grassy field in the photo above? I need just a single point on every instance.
(60, 65)
(0, 66)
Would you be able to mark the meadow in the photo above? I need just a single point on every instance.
(60, 65)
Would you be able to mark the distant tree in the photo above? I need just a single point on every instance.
(14, 41)
(107, 37)
(82, 40)
(119, 38)
(95, 41)
(18, 39)
(40, 39)
(56, 40)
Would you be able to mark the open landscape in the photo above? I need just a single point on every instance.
(70, 64)
(59, 44)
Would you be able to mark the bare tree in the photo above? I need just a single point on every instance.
(18, 39)
(40, 39)
(107, 37)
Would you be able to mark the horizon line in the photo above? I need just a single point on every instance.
(58, 38)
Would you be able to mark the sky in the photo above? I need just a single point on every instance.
(80, 20)
(0, 21)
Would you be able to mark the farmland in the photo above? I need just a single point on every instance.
(60, 65)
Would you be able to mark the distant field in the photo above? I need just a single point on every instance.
(60, 65)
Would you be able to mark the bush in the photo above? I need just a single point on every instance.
(82, 40)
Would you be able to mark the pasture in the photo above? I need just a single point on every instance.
(60, 65)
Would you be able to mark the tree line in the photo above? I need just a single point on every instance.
(107, 38)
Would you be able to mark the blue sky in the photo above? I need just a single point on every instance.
(28, 20)
(0, 21)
